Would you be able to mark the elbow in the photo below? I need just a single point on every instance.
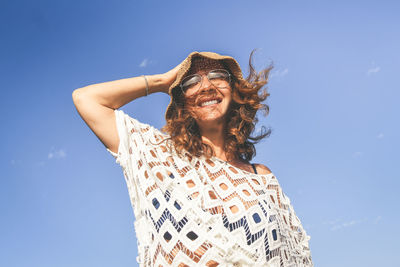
(77, 96)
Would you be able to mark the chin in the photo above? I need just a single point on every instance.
(211, 115)
(208, 118)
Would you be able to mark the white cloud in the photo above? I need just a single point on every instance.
(56, 154)
(380, 136)
(357, 154)
(279, 73)
(40, 163)
(332, 222)
(338, 226)
(373, 70)
(377, 219)
(144, 63)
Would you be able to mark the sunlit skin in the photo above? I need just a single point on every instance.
(211, 116)
(211, 119)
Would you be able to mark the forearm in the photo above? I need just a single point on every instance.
(115, 94)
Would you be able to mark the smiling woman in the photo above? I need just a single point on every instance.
(223, 127)
(197, 199)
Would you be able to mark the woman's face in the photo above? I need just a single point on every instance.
(208, 104)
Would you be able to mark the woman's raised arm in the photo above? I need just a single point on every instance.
(96, 103)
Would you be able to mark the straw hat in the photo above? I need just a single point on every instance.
(231, 64)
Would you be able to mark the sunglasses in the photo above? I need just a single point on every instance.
(220, 78)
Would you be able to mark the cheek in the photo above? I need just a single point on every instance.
(189, 102)
(229, 99)
(228, 93)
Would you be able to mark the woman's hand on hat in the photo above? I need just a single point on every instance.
(162, 82)
(169, 77)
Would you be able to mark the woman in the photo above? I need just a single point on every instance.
(197, 199)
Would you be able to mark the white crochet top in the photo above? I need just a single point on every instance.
(185, 207)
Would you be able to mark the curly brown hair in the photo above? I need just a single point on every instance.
(247, 98)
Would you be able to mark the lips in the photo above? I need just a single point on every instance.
(208, 99)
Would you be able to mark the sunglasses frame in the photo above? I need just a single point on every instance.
(201, 79)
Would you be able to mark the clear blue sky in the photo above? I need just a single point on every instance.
(333, 111)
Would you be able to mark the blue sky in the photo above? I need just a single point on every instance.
(333, 112)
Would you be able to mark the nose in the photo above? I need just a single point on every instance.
(205, 83)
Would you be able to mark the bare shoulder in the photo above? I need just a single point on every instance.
(262, 169)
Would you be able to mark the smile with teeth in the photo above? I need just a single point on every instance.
(208, 103)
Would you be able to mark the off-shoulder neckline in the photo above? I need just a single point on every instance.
(239, 169)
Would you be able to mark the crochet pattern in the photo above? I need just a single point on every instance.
(193, 211)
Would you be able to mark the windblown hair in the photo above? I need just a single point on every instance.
(247, 98)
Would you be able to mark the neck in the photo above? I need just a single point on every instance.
(214, 136)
